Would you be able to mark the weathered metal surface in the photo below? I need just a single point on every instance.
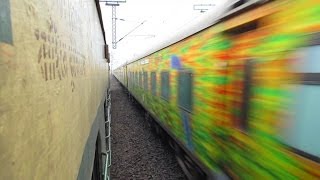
(53, 76)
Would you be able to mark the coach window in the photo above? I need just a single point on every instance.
(140, 79)
(145, 81)
(132, 79)
(153, 83)
(135, 79)
(129, 79)
(185, 86)
(165, 85)
(303, 131)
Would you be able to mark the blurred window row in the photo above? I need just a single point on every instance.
(184, 81)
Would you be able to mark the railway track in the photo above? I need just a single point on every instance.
(137, 152)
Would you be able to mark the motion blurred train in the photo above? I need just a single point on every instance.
(238, 98)
(54, 81)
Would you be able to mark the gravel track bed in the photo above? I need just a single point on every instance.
(137, 152)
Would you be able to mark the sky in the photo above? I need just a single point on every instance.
(147, 21)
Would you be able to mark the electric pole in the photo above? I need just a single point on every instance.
(114, 4)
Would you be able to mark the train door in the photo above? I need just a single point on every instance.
(185, 102)
(235, 106)
(238, 92)
(97, 165)
(239, 73)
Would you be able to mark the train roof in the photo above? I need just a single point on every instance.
(100, 20)
(210, 18)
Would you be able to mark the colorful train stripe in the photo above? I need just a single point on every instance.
(229, 92)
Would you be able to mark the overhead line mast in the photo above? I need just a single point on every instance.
(114, 4)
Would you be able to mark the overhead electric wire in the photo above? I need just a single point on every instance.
(131, 31)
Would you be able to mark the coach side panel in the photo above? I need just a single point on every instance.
(53, 80)
(226, 92)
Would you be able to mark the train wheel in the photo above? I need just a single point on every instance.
(158, 129)
(148, 118)
(190, 170)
